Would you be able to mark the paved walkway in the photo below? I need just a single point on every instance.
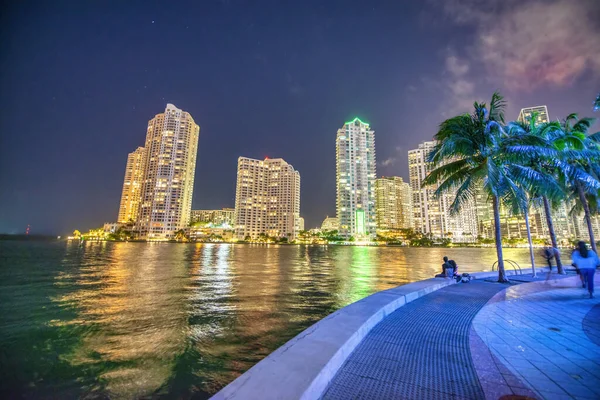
(429, 349)
(545, 338)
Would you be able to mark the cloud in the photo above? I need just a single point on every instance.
(529, 44)
(389, 161)
(458, 87)
(456, 66)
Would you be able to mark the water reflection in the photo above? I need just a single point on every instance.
(130, 320)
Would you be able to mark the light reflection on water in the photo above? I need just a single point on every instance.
(127, 320)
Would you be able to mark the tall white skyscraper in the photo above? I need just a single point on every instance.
(432, 214)
(169, 168)
(267, 199)
(355, 166)
(132, 186)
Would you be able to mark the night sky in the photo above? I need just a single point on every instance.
(80, 80)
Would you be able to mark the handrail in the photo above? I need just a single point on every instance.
(512, 263)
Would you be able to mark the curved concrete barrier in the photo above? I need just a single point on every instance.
(304, 366)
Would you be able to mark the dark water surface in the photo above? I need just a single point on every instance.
(132, 320)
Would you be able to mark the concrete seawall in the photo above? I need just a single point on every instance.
(304, 366)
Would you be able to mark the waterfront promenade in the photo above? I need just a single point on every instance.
(536, 338)
(480, 341)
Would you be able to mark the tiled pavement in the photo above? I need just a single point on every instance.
(542, 337)
(424, 349)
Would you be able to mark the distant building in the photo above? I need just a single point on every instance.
(170, 164)
(330, 224)
(355, 180)
(267, 199)
(225, 216)
(431, 213)
(111, 227)
(525, 114)
(393, 203)
(132, 186)
(300, 224)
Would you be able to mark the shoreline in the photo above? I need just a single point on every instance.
(49, 238)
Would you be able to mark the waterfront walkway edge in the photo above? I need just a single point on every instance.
(304, 366)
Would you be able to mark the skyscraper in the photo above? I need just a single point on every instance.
(432, 214)
(132, 186)
(526, 113)
(169, 168)
(267, 199)
(355, 180)
(393, 203)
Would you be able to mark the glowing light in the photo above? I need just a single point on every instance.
(360, 221)
(354, 120)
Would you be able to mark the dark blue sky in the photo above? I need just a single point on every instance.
(80, 80)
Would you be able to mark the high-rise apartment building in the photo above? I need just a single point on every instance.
(225, 216)
(355, 180)
(169, 168)
(432, 214)
(525, 114)
(267, 199)
(393, 203)
(132, 186)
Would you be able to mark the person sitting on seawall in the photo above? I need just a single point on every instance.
(448, 264)
(586, 261)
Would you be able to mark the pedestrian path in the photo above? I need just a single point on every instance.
(541, 338)
(446, 345)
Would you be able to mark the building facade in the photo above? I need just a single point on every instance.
(393, 203)
(526, 113)
(267, 199)
(225, 216)
(330, 224)
(132, 186)
(432, 213)
(355, 180)
(169, 168)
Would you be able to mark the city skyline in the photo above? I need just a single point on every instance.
(259, 86)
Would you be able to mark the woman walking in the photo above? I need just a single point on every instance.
(587, 261)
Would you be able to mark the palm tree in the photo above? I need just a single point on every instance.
(470, 153)
(181, 235)
(545, 186)
(585, 171)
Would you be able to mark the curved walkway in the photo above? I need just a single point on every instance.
(591, 324)
(451, 344)
(541, 336)
(420, 351)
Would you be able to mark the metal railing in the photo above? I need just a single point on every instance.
(512, 264)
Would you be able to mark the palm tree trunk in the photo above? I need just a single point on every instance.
(559, 265)
(526, 214)
(588, 218)
(498, 237)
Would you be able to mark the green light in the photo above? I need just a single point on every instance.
(354, 120)
(360, 221)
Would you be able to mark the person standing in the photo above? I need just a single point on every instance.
(587, 261)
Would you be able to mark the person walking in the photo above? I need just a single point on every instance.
(586, 261)
(548, 255)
